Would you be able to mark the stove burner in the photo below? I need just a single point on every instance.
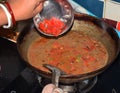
(86, 85)
(78, 87)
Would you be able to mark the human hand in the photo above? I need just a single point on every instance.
(48, 88)
(25, 9)
(51, 88)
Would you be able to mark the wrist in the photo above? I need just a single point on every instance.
(18, 11)
(14, 10)
(11, 12)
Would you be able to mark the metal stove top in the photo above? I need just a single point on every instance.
(15, 77)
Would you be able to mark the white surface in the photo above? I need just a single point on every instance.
(111, 10)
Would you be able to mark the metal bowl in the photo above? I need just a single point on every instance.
(60, 9)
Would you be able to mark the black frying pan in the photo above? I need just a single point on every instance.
(89, 25)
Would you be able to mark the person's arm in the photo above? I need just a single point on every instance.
(22, 9)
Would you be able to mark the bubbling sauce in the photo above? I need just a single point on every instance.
(74, 53)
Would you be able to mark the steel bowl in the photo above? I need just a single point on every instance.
(60, 9)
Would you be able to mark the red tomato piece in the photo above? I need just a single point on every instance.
(52, 26)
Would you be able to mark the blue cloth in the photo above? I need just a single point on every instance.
(118, 32)
(94, 6)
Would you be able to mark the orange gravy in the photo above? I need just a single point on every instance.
(74, 53)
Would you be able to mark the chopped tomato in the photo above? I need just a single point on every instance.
(52, 26)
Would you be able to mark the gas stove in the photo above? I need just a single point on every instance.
(16, 77)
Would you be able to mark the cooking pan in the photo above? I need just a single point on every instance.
(89, 25)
